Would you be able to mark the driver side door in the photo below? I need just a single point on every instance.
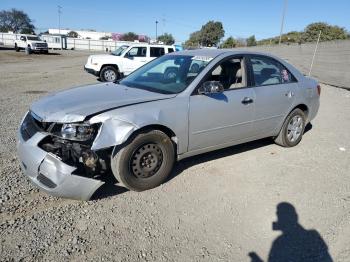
(222, 119)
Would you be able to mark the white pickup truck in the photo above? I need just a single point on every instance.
(123, 61)
(32, 42)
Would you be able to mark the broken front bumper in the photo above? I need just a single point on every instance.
(48, 172)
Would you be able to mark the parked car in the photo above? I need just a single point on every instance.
(179, 105)
(126, 59)
(32, 42)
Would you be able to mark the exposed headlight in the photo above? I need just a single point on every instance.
(78, 132)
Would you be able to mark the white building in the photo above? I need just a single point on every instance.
(82, 34)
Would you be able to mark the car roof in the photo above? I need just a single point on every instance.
(216, 52)
(151, 45)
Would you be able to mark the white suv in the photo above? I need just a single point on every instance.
(124, 60)
(32, 42)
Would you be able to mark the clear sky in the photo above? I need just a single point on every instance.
(181, 17)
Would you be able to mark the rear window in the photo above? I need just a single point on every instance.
(157, 51)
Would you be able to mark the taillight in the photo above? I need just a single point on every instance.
(318, 89)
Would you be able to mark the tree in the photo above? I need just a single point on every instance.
(241, 42)
(194, 40)
(211, 33)
(16, 21)
(229, 43)
(328, 32)
(130, 36)
(72, 34)
(251, 41)
(166, 38)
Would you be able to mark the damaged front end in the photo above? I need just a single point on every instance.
(58, 157)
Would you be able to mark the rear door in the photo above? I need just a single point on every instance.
(155, 52)
(275, 89)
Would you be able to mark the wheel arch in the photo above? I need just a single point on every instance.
(112, 65)
(166, 130)
(303, 108)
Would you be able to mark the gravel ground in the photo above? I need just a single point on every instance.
(216, 207)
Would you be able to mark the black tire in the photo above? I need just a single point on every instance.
(46, 52)
(16, 48)
(144, 162)
(109, 74)
(289, 134)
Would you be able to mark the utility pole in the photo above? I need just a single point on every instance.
(282, 23)
(59, 10)
(313, 57)
(156, 31)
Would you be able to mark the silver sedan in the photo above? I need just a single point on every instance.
(179, 105)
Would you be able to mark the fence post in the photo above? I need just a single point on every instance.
(313, 57)
(89, 44)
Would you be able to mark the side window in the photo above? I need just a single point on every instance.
(157, 51)
(23, 38)
(170, 50)
(268, 71)
(139, 51)
(230, 73)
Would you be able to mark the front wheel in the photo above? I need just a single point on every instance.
(16, 48)
(292, 130)
(109, 74)
(145, 162)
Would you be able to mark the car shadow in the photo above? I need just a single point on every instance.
(52, 53)
(110, 188)
(6, 48)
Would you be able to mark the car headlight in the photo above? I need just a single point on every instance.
(78, 132)
(93, 62)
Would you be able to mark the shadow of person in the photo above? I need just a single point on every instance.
(295, 243)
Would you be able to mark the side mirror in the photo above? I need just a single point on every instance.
(211, 87)
(128, 56)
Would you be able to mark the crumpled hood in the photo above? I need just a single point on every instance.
(74, 105)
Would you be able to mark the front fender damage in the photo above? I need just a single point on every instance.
(113, 132)
(116, 130)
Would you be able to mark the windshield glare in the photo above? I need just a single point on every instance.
(120, 50)
(33, 38)
(170, 74)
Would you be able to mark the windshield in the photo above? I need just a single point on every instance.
(33, 38)
(169, 74)
(120, 50)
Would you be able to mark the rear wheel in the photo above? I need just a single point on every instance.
(145, 162)
(292, 129)
(109, 74)
(16, 48)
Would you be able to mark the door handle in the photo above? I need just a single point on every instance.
(247, 100)
(289, 94)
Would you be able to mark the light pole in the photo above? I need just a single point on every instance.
(59, 18)
(282, 23)
(156, 31)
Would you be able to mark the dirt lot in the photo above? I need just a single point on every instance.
(216, 207)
